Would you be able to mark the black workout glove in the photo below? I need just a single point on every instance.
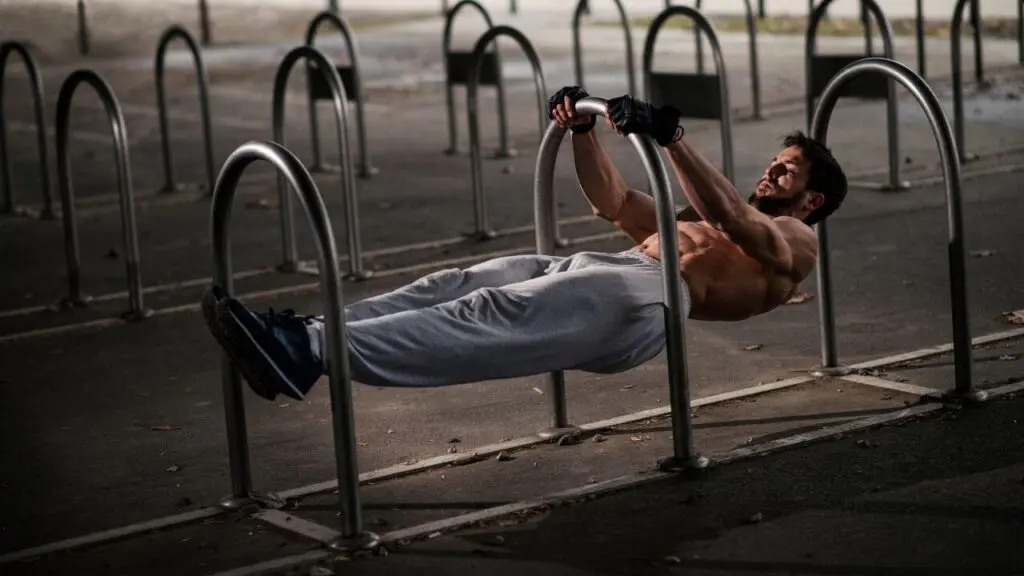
(634, 116)
(575, 94)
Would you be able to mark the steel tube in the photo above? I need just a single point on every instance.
(39, 114)
(446, 48)
(83, 29)
(951, 171)
(204, 105)
(290, 168)
(922, 56)
(956, 73)
(129, 233)
(366, 169)
(350, 204)
(976, 24)
(204, 23)
(483, 229)
(583, 7)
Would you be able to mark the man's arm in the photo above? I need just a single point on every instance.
(720, 204)
(610, 197)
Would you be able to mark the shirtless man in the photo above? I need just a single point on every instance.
(522, 315)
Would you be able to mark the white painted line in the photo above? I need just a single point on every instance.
(107, 535)
(76, 134)
(936, 350)
(43, 332)
(296, 525)
(998, 337)
(903, 387)
(1005, 390)
(274, 566)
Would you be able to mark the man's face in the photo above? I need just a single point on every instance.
(782, 189)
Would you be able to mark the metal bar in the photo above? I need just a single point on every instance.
(583, 7)
(366, 168)
(83, 29)
(956, 73)
(446, 48)
(703, 24)
(204, 23)
(513, 7)
(482, 229)
(755, 69)
(1020, 31)
(866, 22)
(976, 24)
(332, 7)
(953, 176)
(760, 9)
(350, 205)
(129, 234)
(892, 106)
(922, 56)
(38, 104)
(700, 45)
(204, 105)
(353, 535)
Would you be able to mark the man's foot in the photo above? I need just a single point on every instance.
(273, 351)
(212, 298)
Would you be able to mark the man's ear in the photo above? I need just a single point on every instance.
(813, 200)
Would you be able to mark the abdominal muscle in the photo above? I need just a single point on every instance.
(725, 283)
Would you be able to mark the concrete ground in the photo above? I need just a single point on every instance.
(119, 423)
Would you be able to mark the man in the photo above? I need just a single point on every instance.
(523, 315)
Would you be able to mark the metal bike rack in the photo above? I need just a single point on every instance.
(204, 23)
(684, 457)
(932, 108)
(865, 20)
(820, 69)
(319, 89)
(353, 535)
(204, 106)
(583, 7)
(919, 37)
(955, 27)
(755, 72)
(701, 96)
(38, 103)
(83, 29)
(130, 236)
(348, 185)
(476, 62)
(457, 71)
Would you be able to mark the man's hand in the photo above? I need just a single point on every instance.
(562, 109)
(629, 115)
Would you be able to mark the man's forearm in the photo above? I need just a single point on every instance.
(600, 180)
(708, 190)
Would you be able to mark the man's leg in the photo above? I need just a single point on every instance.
(592, 318)
(451, 284)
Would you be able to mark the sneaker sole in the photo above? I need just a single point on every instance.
(215, 322)
(254, 364)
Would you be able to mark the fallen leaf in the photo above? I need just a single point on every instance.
(672, 560)
(173, 468)
(165, 428)
(433, 535)
(538, 390)
(753, 347)
(454, 440)
(626, 387)
(640, 437)
(1007, 357)
(1015, 317)
(598, 438)
(320, 571)
(503, 456)
(592, 480)
(799, 298)
(260, 204)
(755, 518)
(453, 449)
(982, 253)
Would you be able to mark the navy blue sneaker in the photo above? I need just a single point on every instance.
(212, 298)
(272, 351)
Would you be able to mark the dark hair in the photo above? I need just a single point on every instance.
(827, 177)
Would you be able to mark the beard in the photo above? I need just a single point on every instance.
(772, 205)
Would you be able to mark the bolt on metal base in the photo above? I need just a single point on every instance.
(481, 235)
(69, 303)
(367, 541)
(451, 151)
(692, 465)
(243, 504)
(287, 267)
(561, 243)
(831, 371)
(359, 276)
(553, 433)
(969, 157)
(171, 189)
(507, 153)
(323, 169)
(899, 187)
(367, 172)
(973, 396)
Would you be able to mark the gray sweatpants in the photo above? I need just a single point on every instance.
(510, 317)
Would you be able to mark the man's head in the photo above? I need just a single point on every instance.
(803, 181)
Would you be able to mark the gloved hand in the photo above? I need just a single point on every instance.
(562, 109)
(631, 115)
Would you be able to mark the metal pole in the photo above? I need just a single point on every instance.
(353, 536)
(929, 102)
(204, 106)
(38, 104)
(366, 168)
(701, 23)
(922, 57)
(204, 23)
(956, 72)
(1020, 31)
(136, 308)
(755, 73)
(483, 230)
(350, 204)
(583, 7)
(332, 6)
(700, 45)
(866, 22)
(83, 29)
(446, 48)
(979, 66)
(760, 9)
